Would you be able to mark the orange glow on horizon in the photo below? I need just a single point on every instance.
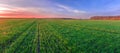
(18, 12)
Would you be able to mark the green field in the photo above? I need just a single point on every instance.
(59, 36)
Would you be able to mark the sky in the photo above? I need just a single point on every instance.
(82, 9)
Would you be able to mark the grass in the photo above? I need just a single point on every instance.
(59, 36)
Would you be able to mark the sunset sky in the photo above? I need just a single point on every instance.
(58, 8)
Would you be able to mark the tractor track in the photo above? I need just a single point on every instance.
(23, 39)
(14, 38)
(38, 40)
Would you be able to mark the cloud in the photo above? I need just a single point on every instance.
(42, 9)
(13, 11)
(69, 9)
(37, 8)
